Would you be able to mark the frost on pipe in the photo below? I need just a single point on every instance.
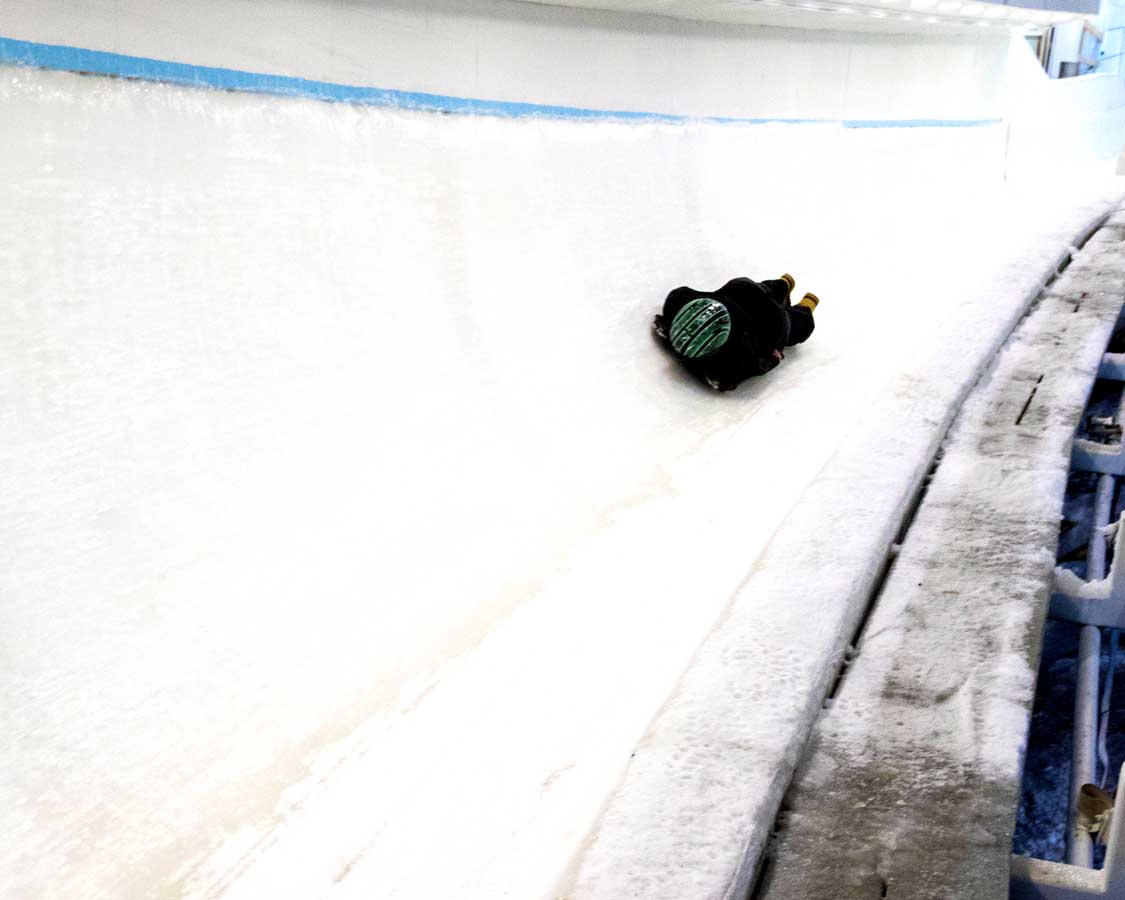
(348, 509)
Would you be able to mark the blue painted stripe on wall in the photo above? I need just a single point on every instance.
(99, 62)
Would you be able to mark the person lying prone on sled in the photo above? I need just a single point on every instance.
(740, 330)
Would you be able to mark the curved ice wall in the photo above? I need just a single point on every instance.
(546, 54)
(347, 504)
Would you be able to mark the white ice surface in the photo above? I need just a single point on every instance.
(352, 526)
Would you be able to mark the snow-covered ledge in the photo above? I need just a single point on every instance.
(696, 805)
(911, 781)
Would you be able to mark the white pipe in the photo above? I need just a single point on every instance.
(1114, 869)
(1037, 879)
(1080, 848)
(1103, 709)
(1095, 558)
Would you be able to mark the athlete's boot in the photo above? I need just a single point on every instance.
(810, 302)
(791, 281)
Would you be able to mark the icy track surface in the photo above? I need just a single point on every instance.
(352, 526)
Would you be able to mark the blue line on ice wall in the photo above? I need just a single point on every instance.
(99, 62)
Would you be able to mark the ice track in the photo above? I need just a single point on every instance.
(351, 520)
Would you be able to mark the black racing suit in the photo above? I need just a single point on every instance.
(762, 321)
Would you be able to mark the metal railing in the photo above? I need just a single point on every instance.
(1093, 604)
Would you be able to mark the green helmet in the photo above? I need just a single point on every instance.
(700, 328)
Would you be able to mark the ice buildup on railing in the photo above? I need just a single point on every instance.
(1100, 602)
